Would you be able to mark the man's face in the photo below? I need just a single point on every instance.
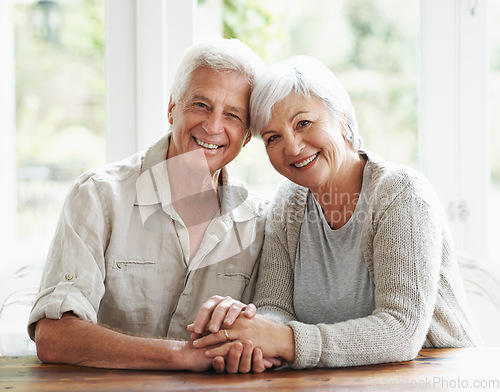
(211, 117)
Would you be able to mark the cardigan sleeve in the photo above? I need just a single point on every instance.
(275, 284)
(406, 249)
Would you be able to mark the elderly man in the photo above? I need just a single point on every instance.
(142, 243)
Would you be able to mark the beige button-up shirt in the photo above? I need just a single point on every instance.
(120, 255)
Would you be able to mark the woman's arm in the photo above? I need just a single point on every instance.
(405, 248)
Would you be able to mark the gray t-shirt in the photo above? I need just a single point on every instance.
(332, 283)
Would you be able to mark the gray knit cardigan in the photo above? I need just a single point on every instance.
(419, 295)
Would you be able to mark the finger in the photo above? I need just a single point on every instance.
(258, 361)
(220, 351)
(250, 311)
(233, 313)
(211, 339)
(267, 363)
(233, 358)
(246, 357)
(228, 309)
(195, 336)
(219, 365)
(205, 312)
(272, 362)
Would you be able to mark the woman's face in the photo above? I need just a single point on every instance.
(305, 142)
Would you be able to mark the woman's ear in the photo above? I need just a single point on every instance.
(171, 106)
(249, 136)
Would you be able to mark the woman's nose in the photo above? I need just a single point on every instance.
(293, 145)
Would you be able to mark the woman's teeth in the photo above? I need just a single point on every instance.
(207, 145)
(306, 161)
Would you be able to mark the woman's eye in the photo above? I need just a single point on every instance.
(271, 139)
(303, 123)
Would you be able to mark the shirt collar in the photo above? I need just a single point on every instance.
(153, 186)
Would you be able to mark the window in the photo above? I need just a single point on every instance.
(59, 92)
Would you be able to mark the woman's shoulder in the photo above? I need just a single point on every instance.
(289, 195)
(288, 204)
(391, 181)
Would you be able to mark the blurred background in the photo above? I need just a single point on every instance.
(60, 104)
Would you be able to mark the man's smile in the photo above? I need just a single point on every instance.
(208, 146)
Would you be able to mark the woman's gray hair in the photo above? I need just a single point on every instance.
(222, 55)
(308, 77)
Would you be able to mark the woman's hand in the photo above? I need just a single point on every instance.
(243, 358)
(219, 312)
(274, 340)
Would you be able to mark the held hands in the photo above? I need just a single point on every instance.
(219, 312)
(275, 340)
(235, 354)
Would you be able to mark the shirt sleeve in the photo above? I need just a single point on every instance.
(74, 273)
(406, 252)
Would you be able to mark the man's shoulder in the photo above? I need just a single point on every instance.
(116, 171)
(240, 191)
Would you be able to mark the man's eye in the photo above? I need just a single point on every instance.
(236, 117)
(200, 105)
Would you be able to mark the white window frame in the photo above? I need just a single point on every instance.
(145, 41)
(454, 128)
(8, 195)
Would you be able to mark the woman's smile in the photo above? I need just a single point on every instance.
(305, 162)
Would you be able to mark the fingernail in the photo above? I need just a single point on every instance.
(196, 342)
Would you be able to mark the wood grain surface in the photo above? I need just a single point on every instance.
(434, 369)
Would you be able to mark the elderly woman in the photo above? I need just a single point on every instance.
(358, 266)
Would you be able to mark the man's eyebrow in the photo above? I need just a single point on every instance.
(237, 109)
(200, 97)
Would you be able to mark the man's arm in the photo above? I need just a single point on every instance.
(74, 341)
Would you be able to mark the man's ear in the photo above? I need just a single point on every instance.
(249, 136)
(171, 106)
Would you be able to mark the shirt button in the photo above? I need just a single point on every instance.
(119, 264)
(69, 276)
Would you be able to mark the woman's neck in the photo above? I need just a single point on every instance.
(339, 197)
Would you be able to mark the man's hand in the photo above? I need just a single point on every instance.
(219, 312)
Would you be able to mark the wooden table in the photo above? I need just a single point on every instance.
(468, 369)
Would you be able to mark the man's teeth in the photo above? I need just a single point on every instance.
(207, 145)
(306, 161)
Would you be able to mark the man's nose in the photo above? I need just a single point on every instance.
(213, 125)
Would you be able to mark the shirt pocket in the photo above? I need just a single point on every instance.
(131, 285)
(233, 276)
